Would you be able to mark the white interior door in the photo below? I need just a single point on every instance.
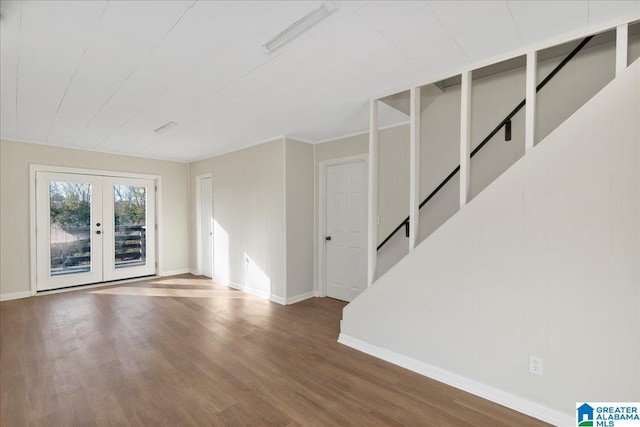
(92, 229)
(69, 230)
(129, 228)
(345, 230)
(206, 226)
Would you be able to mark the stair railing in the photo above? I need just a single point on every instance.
(505, 122)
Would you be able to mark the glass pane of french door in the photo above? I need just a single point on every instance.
(129, 208)
(69, 227)
(69, 241)
(130, 222)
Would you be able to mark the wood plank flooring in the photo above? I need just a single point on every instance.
(186, 351)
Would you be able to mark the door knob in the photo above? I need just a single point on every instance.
(98, 224)
(327, 238)
(98, 232)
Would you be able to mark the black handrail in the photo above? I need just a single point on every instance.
(507, 119)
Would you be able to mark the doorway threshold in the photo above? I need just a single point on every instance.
(95, 285)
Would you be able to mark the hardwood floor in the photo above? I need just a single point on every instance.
(186, 351)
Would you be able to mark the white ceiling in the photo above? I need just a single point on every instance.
(102, 75)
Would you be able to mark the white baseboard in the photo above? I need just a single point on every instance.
(228, 283)
(15, 295)
(194, 272)
(257, 292)
(277, 299)
(175, 272)
(500, 397)
(300, 297)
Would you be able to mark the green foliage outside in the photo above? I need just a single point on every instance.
(70, 204)
(130, 205)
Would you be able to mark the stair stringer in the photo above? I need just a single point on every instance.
(545, 261)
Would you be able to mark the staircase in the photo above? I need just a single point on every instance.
(568, 76)
(544, 261)
(504, 123)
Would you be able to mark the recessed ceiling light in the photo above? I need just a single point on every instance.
(299, 27)
(165, 127)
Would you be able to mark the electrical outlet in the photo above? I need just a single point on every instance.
(536, 365)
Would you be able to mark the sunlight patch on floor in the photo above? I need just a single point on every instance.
(164, 292)
(177, 281)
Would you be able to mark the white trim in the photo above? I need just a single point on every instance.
(33, 253)
(414, 167)
(550, 42)
(465, 137)
(34, 168)
(485, 391)
(189, 216)
(300, 297)
(372, 219)
(284, 229)
(363, 132)
(262, 141)
(228, 283)
(316, 226)
(98, 172)
(530, 101)
(194, 272)
(321, 290)
(622, 48)
(199, 178)
(296, 139)
(94, 150)
(175, 272)
(15, 295)
(159, 225)
(277, 299)
(255, 292)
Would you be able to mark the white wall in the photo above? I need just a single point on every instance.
(439, 155)
(15, 158)
(393, 179)
(393, 194)
(263, 219)
(580, 79)
(249, 217)
(299, 220)
(544, 262)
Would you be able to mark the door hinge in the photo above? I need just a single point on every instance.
(156, 226)
(156, 188)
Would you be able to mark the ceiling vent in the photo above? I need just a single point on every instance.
(299, 27)
(165, 127)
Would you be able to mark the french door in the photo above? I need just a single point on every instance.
(92, 229)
